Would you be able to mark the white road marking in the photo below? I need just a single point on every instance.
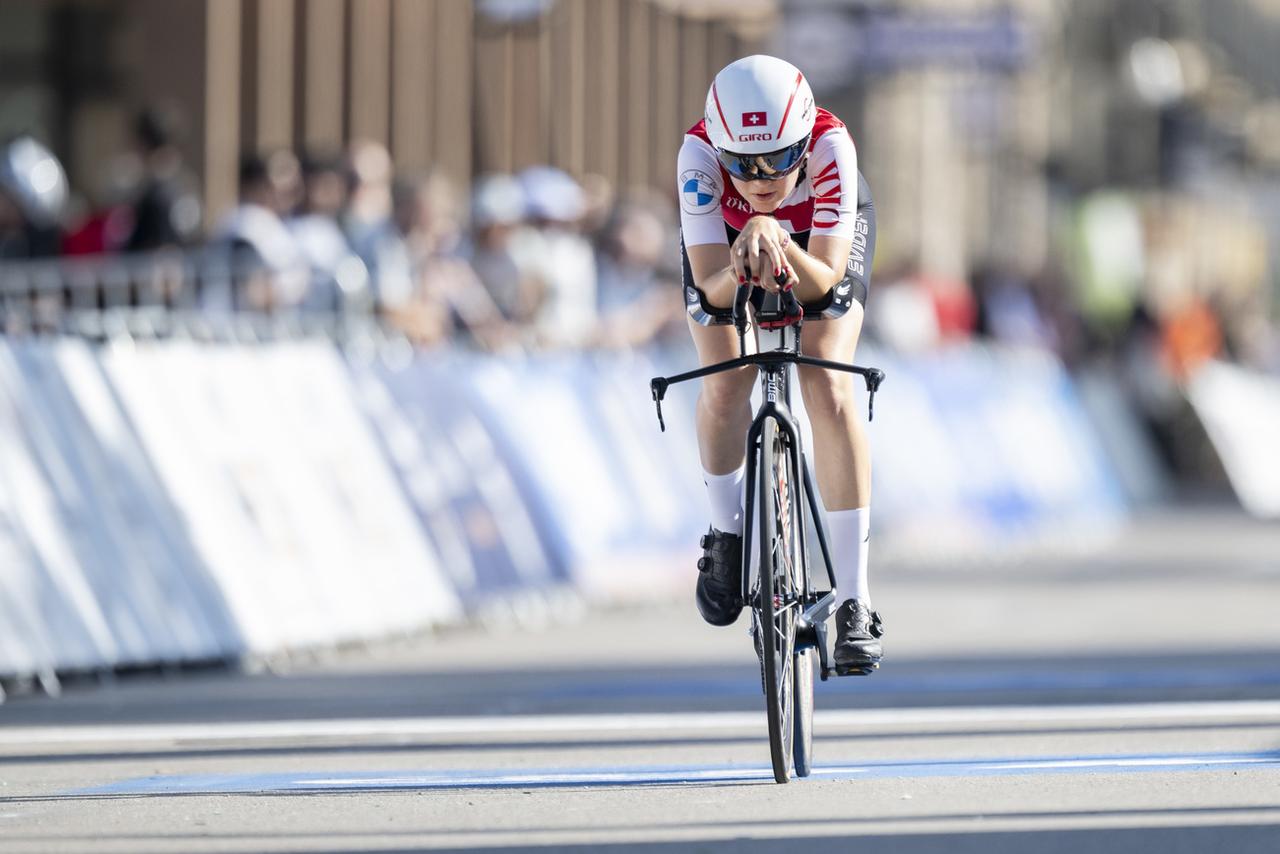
(669, 723)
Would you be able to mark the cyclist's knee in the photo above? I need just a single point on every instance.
(729, 392)
(826, 392)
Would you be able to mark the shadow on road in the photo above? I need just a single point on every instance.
(1153, 832)
(993, 680)
(1167, 840)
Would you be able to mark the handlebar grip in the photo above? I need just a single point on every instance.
(740, 298)
(790, 304)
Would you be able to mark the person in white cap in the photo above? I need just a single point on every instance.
(769, 187)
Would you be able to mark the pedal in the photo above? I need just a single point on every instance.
(856, 671)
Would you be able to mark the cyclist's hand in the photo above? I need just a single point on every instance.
(789, 277)
(758, 255)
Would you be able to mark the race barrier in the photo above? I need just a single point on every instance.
(1240, 410)
(176, 501)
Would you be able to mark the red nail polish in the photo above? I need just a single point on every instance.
(742, 280)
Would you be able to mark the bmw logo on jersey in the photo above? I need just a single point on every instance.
(697, 191)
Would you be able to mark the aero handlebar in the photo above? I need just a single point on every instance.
(793, 313)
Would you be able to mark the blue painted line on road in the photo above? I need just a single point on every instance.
(503, 778)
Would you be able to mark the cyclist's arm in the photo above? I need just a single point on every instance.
(702, 229)
(713, 274)
(820, 268)
(833, 176)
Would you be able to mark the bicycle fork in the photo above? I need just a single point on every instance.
(811, 623)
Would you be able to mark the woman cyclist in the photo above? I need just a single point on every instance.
(769, 186)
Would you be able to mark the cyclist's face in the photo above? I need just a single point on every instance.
(766, 196)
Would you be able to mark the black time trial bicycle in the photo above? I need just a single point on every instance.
(788, 612)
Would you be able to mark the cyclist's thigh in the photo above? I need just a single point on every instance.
(833, 337)
(719, 343)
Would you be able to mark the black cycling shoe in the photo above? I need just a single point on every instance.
(719, 594)
(858, 633)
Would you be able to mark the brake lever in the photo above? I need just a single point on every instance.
(790, 305)
(740, 311)
(874, 377)
(658, 385)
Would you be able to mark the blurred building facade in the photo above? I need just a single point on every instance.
(470, 86)
(981, 124)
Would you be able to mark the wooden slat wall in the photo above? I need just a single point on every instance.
(413, 92)
(454, 49)
(369, 104)
(221, 107)
(323, 86)
(592, 86)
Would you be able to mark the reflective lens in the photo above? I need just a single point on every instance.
(764, 167)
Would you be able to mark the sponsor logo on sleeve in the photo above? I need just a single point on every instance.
(697, 191)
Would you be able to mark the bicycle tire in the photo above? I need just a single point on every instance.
(802, 740)
(777, 601)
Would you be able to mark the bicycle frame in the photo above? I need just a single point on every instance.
(776, 389)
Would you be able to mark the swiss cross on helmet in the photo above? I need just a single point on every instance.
(759, 116)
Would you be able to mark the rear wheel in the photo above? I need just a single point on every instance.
(779, 597)
(802, 743)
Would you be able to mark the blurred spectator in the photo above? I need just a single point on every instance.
(497, 214)
(33, 196)
(1007, 309)
(167, 210)
(106, 227)
(904, 318)
(268, 267)
(953, 304)
(369, 226)
(636, 304)
(338, 278)
(559, 256)
(447, 296)
(1190, 336)
(599, 202)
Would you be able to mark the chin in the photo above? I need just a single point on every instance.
(765, 207)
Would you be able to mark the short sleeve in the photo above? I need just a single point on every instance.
(833, 177)
(700, 187)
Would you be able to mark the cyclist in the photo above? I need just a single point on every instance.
(769, 185)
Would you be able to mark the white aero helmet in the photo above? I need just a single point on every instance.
(759, 116)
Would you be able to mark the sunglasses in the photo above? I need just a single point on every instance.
(764, 167)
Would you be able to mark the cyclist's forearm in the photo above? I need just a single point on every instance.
(720, 288)
(815, 276)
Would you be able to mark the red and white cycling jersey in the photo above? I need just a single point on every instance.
(824, 201)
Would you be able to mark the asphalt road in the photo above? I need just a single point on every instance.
(1121, 699)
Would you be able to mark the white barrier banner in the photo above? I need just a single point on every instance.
(62, 618)
(1240, 410)
(291, 505)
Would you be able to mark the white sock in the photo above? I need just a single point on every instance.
(849, 534)
(725, 492)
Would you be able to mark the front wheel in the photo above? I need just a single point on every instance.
(779, 594)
